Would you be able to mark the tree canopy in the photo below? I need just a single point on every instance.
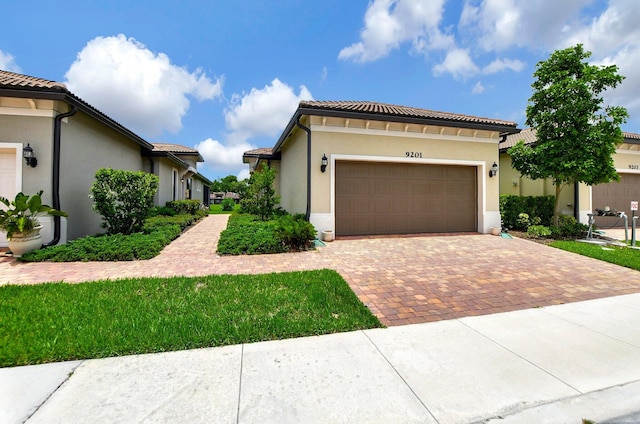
(576, 133)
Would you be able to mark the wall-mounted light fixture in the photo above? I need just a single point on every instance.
(325, 162)
(494, 170)
(29, 156)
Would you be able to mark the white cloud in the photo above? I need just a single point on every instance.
(499, 65)
(263, 112)
(615, 28)
(501, 24)
(626, 94)
(478, 88)
(219, 156)
(8, 63)
(140, 89)
(389, 23)
(458, 63)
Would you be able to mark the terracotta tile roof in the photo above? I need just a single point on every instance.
(529, 137)
(631, 137)
(260, 151)
(13, 80)
(400, 111)
(173, 148)
(527, 134)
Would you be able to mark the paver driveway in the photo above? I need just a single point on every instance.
(401, 279)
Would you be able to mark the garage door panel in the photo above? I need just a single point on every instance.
(407, 198)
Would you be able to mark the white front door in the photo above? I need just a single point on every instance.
(10, 175)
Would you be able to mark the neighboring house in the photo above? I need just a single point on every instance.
(218, 196)
(71, 141)
(580, 199)
(179, 177)
(361, 168)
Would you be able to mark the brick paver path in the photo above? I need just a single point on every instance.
(402, 280)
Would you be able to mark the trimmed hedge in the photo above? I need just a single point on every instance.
(534, 206)
(191, 207)
(249, 235)
(158, 232)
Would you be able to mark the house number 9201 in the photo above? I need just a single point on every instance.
(634, 167)
(413, 154)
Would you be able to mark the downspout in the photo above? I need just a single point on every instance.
(57, 125)
(308, 131)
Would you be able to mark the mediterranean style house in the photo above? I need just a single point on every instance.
(52, 140)
(580, 199)
(363, 168)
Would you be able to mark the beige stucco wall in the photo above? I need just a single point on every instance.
(87, 146)
(38, 132)
(292, 180)
(164, 168)
(356, 140)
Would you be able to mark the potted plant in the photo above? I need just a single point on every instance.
(19, 219)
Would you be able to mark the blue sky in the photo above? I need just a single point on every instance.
(226, 76)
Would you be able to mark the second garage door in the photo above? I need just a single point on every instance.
(618, 196)
(391, 198)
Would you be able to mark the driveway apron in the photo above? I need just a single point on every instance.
(402, 280)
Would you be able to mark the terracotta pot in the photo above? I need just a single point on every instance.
(21, 243)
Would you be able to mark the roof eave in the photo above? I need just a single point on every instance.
(369, 116)
(67, 97)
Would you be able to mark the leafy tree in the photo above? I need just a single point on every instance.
(576, 134)
(123, 198)
(230, 183)
(261, 198)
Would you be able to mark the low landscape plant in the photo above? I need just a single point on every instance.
(189, 206)
(162, 210)
(295, 232)
(538, 231)
(108, 247)
(568, 228)
(60, 322)
(157, 232)
(249, 235)
(227, 205)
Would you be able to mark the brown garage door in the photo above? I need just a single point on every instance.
(390, 198)
(618, 196)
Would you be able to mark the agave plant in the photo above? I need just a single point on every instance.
(21, 214)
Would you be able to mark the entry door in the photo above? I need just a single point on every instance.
(9, 183)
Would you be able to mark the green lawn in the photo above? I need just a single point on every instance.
(59, 322)
(216, 209)
(626, 257)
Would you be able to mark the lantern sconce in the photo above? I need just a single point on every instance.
(494, 170)
(29, 156)
(325, 162)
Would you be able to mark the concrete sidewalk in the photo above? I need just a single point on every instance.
(554, 364)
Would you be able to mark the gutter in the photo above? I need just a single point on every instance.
(57, 126)
(308, 131)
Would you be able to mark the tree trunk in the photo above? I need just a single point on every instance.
(557, 209)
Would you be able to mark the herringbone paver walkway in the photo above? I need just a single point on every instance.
(402, 280)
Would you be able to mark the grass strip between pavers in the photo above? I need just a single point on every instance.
(623, 256)
(60, 321)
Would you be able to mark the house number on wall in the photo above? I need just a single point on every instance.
(413, 154)
(634, 166)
